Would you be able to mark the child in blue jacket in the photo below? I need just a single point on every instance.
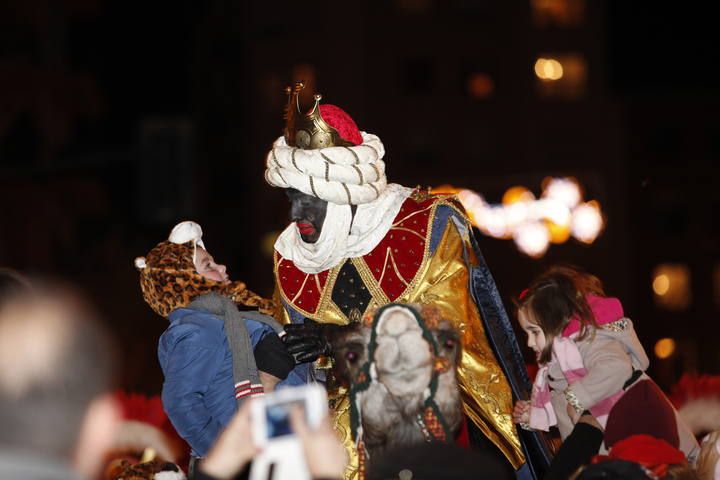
(215, 353)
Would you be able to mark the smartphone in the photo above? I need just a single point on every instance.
(271, 413)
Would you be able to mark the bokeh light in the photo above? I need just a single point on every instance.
(565, 190)
(480, 85)
(671, 286)
(548, 69)
(587, 222)
(532, 239)
(664, 348)
(534, 223)
(661, 284)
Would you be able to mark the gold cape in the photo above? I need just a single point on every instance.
(442, 280)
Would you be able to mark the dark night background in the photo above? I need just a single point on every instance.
(119, 118)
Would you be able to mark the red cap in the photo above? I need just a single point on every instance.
(647, 451)
(338, 119)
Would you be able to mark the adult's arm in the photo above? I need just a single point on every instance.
(577, 450)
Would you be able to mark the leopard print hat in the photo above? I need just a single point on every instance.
(168, 278)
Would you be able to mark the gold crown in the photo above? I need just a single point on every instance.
(308, 130)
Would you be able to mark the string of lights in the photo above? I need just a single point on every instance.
(534, 223)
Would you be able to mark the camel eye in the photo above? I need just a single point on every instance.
(351, 357)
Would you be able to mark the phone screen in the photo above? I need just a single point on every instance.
(278, 417)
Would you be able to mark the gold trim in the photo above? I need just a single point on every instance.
(326, 304)
(426, 253)
(382, 275)
(282, 291)
(370, 282)
(409, 216)
(403, 229)
(373, 285)
(397, 272)
(302, 287)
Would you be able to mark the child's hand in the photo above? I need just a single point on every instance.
(521, 412)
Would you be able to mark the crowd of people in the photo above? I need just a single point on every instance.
(427, 346)
(60, 418)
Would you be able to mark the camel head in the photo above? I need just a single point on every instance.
(399, 364)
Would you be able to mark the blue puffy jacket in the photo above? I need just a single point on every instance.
(198, 393)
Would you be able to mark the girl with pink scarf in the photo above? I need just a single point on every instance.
(592, 365)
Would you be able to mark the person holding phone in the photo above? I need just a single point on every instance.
(324, 454)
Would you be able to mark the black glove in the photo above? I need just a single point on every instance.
(309, 340)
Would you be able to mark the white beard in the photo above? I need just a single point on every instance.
(341, 236)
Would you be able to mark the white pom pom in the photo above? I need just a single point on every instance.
(170, 475)
(187, 231)
(140, 263)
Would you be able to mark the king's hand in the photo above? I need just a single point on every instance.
(308, 341)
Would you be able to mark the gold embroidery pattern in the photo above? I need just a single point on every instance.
(339, 404)
(395, 268)
(276, 270)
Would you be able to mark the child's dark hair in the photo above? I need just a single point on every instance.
(556, 296)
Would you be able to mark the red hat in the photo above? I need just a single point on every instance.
(650, 452)
(338, 119)
(646, 450)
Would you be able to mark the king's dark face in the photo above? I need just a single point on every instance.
(308, 213)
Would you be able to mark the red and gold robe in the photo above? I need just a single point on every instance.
(425, 257)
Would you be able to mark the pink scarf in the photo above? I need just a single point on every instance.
(567, 355)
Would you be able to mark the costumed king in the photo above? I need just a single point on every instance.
(357, 243)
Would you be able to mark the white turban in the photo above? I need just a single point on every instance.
(340, 175)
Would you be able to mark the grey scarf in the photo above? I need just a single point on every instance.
(243, 358)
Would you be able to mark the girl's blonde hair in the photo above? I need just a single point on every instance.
(555, 297)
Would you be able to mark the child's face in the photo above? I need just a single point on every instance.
(205, 265)
(536, 337)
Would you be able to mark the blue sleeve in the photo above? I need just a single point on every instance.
(257, 331)
(188, 370)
